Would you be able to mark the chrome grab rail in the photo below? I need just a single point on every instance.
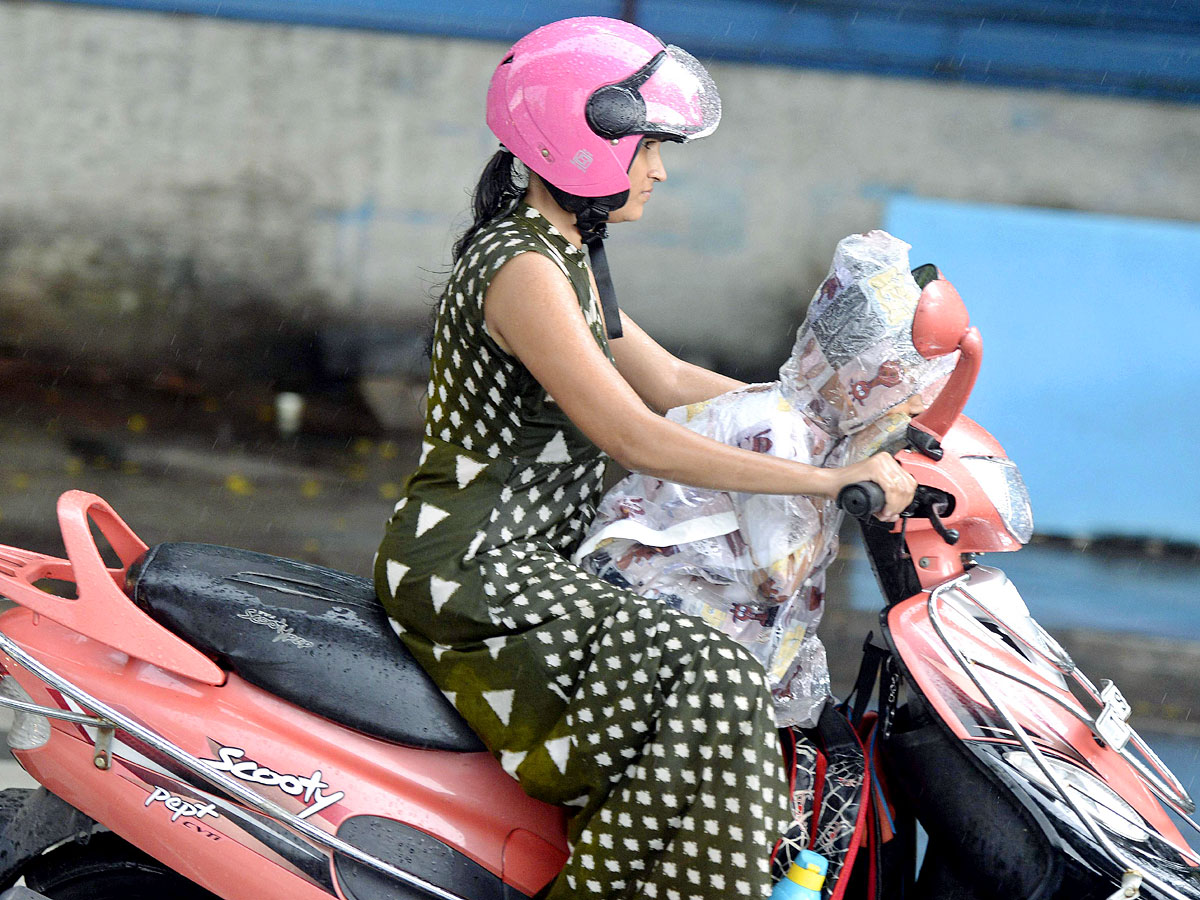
(53, 713)
(1116, 855)
(1162, 781)
(1152, 781)
(110, 718)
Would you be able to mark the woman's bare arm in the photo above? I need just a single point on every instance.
(660, 378)
(531, 311)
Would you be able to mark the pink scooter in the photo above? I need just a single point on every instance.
(315, 760)
(1026, 776)
(206, 720)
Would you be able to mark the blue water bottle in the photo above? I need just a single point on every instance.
(804, 879)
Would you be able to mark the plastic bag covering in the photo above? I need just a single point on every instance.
(753, 565)
(681, 99)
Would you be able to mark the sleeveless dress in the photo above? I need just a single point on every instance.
(657, 729)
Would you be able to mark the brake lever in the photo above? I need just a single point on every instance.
(925, 505)
(949, 535)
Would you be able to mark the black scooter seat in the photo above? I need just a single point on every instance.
(313, 636)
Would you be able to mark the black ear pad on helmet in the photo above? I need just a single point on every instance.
(615, 111)
(619, 110)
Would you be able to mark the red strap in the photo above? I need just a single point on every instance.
(790, 760)
(860, 827)
(818, 795)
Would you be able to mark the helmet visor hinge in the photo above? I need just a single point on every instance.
(619, 110)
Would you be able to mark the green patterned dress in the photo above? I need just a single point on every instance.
(655, 728)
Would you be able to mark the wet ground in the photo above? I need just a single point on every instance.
(179, 465)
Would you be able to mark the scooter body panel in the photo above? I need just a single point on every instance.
(1040, 706)
(208, 850)
(313, 767)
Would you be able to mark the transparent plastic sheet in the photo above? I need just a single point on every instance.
(680, 97)
(753, 565)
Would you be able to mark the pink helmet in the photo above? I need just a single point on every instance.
(573, 99)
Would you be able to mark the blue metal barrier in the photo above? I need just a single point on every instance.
(1091, 333)
(1137, 47)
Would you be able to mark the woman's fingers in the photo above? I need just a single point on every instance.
(898, 486)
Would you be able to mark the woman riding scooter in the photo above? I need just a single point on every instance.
(656, 728)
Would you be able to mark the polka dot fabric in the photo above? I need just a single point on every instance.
(657, 730)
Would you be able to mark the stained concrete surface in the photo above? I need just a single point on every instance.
(158, 167)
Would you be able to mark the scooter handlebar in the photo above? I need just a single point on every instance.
(862, 499)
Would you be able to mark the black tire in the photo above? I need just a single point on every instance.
(107, 868)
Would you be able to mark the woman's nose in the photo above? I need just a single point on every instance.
(658, 171)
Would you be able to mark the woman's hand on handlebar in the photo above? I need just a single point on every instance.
(898, 486)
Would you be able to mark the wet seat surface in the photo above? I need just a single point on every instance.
(313, 636)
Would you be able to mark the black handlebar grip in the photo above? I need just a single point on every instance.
(861, 500)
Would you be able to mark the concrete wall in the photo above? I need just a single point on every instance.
(166, 180)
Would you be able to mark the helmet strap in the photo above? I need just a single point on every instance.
(591, 217)
(608, 294)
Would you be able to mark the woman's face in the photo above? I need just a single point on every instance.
(645, 171)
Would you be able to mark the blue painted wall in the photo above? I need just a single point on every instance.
(1135, 47)
(1091, 372)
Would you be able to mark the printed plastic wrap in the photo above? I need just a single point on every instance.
(753, 565)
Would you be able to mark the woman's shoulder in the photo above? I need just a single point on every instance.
(522, 230)
(501, 239)
(521, 237)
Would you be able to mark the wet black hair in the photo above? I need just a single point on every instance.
(498, 190)
(502, 185)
